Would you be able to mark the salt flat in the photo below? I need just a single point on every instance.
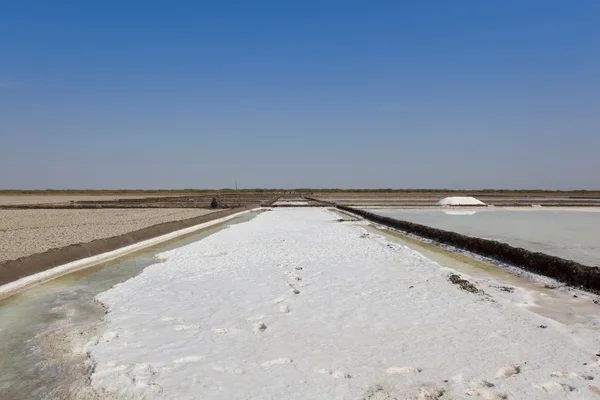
(296, 305)
(290, 203)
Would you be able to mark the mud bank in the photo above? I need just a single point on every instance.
(13, 270)
(565, 271)
(63, 348)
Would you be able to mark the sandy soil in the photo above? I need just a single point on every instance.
(26, 232)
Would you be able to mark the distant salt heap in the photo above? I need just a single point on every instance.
(460, 201)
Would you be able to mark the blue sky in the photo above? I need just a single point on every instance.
(350, 94)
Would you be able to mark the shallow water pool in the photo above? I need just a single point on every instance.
(572, 234)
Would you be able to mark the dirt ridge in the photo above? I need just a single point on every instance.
(566, 271)
(12, 270)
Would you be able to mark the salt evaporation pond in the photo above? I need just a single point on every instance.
(572, 234)
(224, 317)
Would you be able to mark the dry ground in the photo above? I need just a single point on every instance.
(26, 232)
(135, 200)
(66, 198)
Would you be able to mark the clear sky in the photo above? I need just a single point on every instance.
(350, 94)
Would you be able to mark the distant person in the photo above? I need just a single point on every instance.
(214, 203)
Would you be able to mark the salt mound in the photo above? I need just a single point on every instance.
(460, 201)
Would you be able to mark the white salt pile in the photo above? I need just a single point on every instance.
(460, 201)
